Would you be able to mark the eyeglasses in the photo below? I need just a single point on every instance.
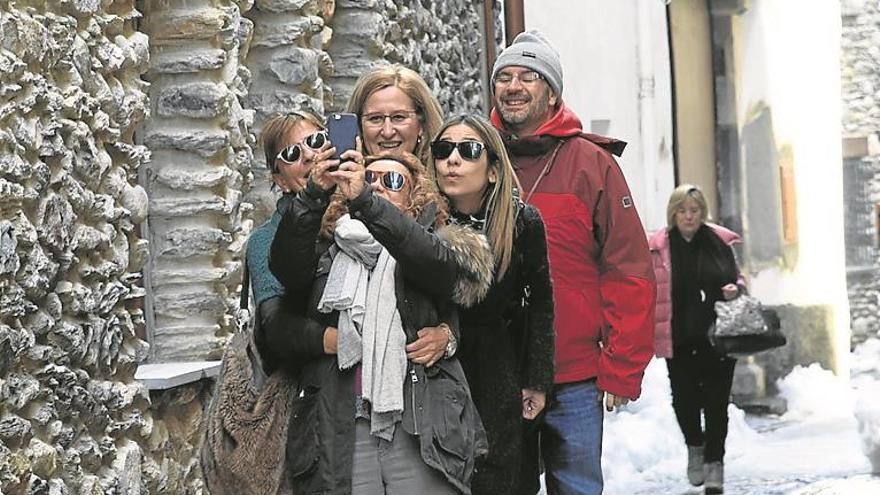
(398, 118)
(391, 180)
(293, 153)
(469, 150)
(527, 77)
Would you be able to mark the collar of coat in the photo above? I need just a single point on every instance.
(563, 124)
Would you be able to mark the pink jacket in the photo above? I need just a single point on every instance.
(660, 253)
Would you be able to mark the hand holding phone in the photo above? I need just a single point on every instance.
(343, 131)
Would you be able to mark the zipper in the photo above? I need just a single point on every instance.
(414, 379)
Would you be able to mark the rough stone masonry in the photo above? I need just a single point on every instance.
(129, 181)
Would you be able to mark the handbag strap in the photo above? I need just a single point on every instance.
(245, 286)
(243, 315)
(544, 171)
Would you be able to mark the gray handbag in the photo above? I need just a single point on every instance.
(744, 327)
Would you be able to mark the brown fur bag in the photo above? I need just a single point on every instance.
(245, 426)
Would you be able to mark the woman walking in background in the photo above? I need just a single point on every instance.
(695, 266)
(506, 350)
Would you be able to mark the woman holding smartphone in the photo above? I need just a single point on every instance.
(291, 142)
(382, 415)
(398, 113)
(506, 349)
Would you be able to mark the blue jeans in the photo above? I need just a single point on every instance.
(571, 440)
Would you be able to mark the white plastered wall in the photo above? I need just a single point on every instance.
(615, 57)
(788, 57)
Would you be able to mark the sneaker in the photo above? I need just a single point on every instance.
(696, 474)
(714, 478)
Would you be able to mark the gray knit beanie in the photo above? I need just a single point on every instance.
(532, 50)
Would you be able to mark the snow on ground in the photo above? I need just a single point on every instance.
(816, 439)
(866, 383)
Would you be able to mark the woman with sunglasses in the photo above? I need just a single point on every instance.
(291, 143)
(507, 339)
(397, 111)
(391, 412)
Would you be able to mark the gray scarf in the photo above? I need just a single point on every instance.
(370, 329)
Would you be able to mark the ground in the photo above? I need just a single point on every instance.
(815, 448)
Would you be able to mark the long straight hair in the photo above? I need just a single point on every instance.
(500, 197)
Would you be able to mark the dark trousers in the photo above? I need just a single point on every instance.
(701, 379)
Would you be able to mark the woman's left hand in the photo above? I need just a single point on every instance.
(533, 403)
(429, 347)
(730, 291)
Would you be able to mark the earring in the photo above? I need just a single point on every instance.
(418, 140)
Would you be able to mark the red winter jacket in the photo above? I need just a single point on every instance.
(603, 281)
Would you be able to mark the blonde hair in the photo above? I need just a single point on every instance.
(500, 199)
(681, 194)
(422, 193)
(277, 127)
(411, 83)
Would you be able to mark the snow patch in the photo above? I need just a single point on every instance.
(866, 382)
(643, 444)
(815, 394)
(643, 448)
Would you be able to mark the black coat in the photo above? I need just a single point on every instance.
(505, 349)
(438, 406)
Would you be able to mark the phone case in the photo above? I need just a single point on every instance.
(342, 129)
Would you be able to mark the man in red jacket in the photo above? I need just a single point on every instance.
(603, 281)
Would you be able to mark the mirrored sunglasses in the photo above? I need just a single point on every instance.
(469, 150)
(293, 153)
(391, 180)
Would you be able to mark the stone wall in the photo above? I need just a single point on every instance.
(126, 146)
(72, 419)
(290, 67)
(201, 144)
(860, 78)
(442, 41)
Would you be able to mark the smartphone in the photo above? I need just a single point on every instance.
(342, 129)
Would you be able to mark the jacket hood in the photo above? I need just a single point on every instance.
(563, 123)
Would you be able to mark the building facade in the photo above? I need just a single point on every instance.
(861, 165)
(741, 97)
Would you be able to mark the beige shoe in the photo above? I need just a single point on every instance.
(714, 478)
(696, 474)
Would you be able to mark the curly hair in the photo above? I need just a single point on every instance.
(422, 194)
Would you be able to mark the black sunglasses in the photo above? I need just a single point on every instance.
(469, 150)
(391, 180)
(292, 153)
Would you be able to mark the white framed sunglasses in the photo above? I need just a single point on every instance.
(291, 154)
